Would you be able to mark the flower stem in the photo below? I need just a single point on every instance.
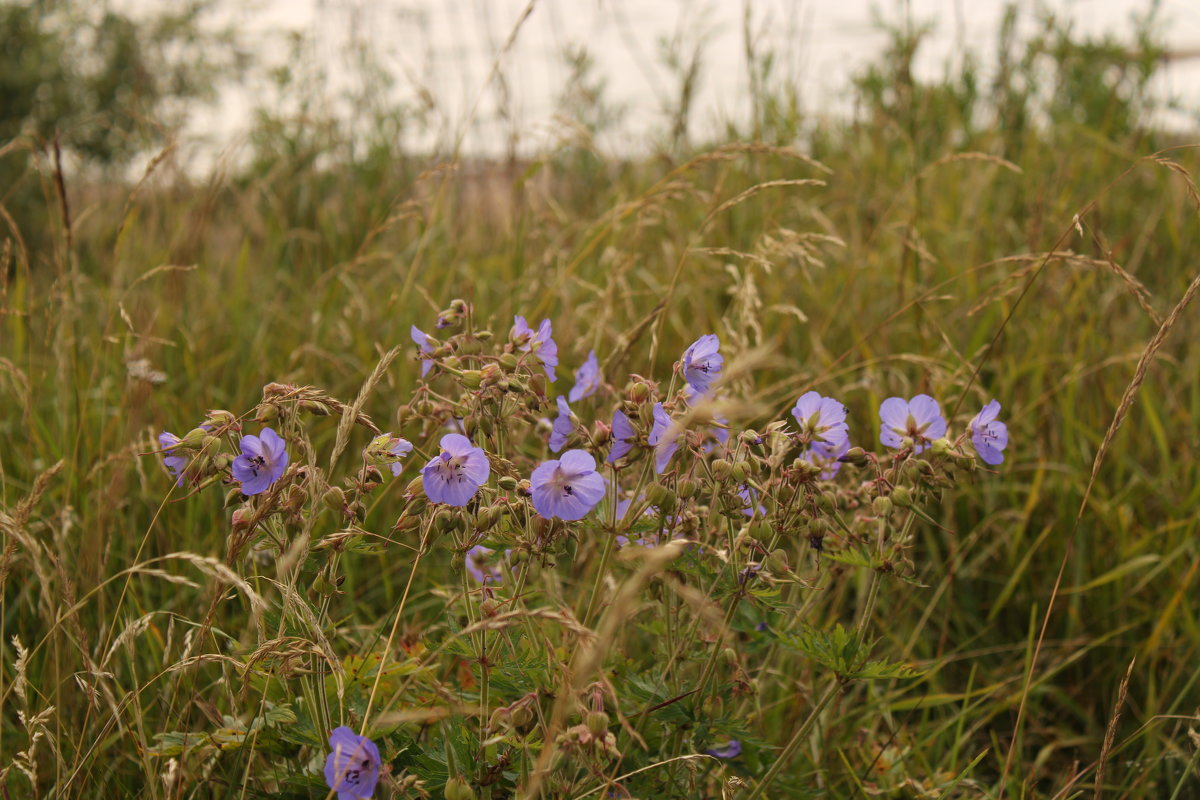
(794, 743)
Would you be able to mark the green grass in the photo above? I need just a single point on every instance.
(1028, 261)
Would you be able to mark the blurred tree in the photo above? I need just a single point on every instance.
(107, 84)
(99, 84)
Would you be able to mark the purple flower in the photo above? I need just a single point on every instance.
(563, 426)
(262, 462)
(623, 436)
(827, 457)
(821, 419)
(751, 505)
(481, 567)
(538, 342)
(454, 475)
(398, 449)
(587, 379)
(650, 539)
(918, 420)
(702, 363)
(719, 434)
(567, 488)
(425, 343)
(663, 448)
(988, 434)
(352, 767)
(731, 749)
(177, 464)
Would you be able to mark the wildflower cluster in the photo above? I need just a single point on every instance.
(493, 480)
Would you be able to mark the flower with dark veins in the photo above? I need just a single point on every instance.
(988, 434)
(916, 422)
(702, 363)
(540, 342)
(352, 766)
(567, 488)
(455, 474)
(262, 462)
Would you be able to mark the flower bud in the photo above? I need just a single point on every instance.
(882, 506)
(855, 456)
(404, 413)
(721, 469)
(406, 523)
(941, 447)
(334, 498)
(729, 655)
(322, 585)
(471, 347)
(220, 418)
(524, 488)
(521, 716)
(316, 408)
(686, 488)
(662, 497)
(472, 378)
(416, 487)
(232, 498)
(738, 472)
(509, 361)
(444, 520)
(538, 382)
(902, 497)
(450, 362)
(778, 561)
(459, 789)
(241, 519)
(597, 722)
(194, 439)
(489, 607)
(507, 483)
(601, 433)
(750, 437)
(501, 718)
(267, 413)
(490, 375)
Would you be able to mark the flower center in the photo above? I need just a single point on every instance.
(452, 468)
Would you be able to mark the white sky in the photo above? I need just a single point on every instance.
(448, 47)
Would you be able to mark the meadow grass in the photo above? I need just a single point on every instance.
(1046, 262)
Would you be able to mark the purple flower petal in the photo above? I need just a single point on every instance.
(919, 421)
(262, 462)
(664, 448)
(567, 488)
(731, 749)
(456, 473)
(482, 568)
(702, 363)
(563, 426)
(177, 464)
(353, 765)
(426, 345)
(540, 343)
(623, 436)
(989, 435)
(399, 449)
(821, 419)
(587, 379)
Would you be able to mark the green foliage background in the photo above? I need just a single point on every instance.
(1022, 236)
